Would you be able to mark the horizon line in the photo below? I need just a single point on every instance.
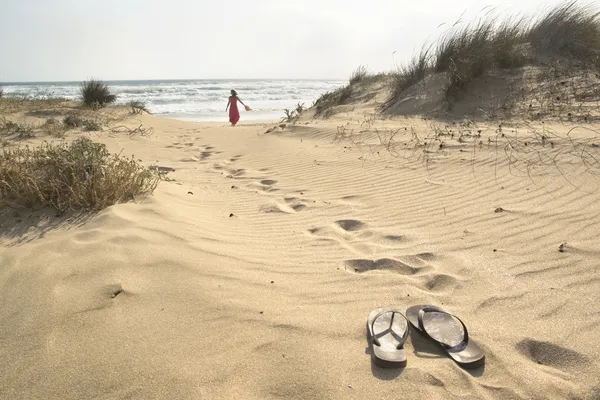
(173, 80)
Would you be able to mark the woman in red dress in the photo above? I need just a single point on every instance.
(234, 113)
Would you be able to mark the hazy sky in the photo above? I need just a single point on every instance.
(53, 40)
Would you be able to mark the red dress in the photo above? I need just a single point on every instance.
(234, 113)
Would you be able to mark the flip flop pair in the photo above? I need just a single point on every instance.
(388, 330)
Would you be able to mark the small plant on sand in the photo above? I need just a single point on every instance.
(138, 107)
(300, 108)
(1, 92)
(82, 175)
(290, 115)
(96, 93)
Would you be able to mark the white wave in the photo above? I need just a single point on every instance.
(199, 97)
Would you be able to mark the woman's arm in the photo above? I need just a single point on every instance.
(240, 100)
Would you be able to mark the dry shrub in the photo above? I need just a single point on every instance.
(82, 175)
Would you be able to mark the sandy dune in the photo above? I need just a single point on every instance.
(251, 274)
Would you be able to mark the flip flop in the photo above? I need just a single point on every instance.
(449, 332)
(387, 331)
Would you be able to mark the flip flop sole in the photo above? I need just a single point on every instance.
(384, 351)
(446, 330)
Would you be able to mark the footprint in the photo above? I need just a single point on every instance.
(238, 172)
(350, 225)
(399, 267)
(205, 154)
(299, 207)
(547, 353)
(268, 182)
(394, 238)
(283, 208)
(273, 209)
(427, 256)
(441, 283)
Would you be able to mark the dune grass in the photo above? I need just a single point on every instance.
(466, 52)
(358, 75)
(138, 107)
(82, 175)
(96, 93)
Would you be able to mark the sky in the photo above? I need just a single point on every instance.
(71, 40)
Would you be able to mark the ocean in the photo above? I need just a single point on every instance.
(195, 100)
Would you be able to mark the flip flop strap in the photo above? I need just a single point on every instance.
(448, 347)
(404, 335)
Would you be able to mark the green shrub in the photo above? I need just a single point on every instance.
(82, 175)
(96, 93)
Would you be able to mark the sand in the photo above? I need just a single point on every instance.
(251, 272)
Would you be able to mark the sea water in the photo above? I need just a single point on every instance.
(195, 100)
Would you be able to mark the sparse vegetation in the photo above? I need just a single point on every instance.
(331, 99)
(466, 53)
(411, 73)
(54, 127)
(73, 121)
(82, 175)
(358, 75)
(91, 126)
(96, 93)
(138, 107)
(1, 92)
(18, 130)
(76, 121)
(292, 115)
